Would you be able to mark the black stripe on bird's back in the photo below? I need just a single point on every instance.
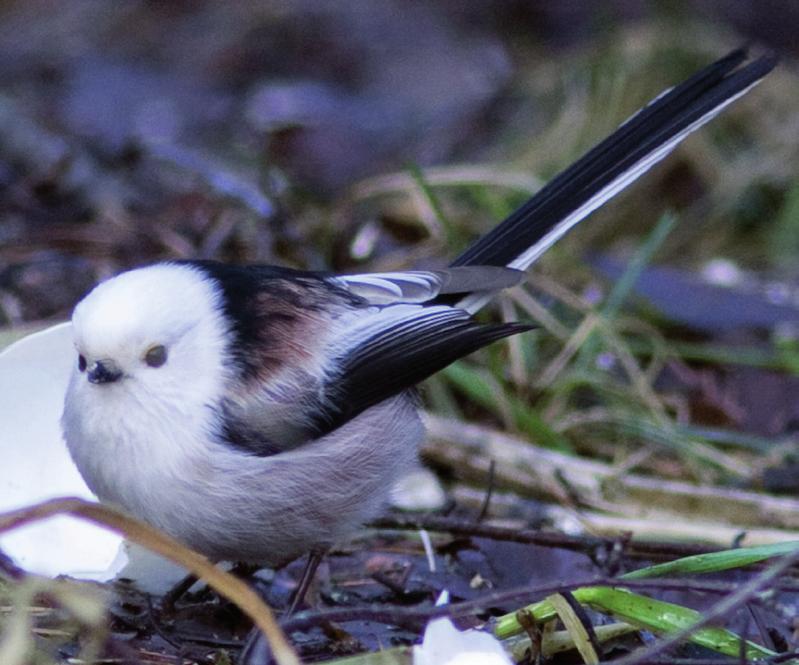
(641, 135)
(264, 304)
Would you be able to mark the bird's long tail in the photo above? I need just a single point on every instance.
(600, 174)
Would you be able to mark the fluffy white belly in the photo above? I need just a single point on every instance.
(233, 506)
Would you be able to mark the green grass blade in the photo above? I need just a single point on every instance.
(642, 258)
(658, 616)
(624, 285)
(665, 618)
(715, 561)
(786, 360)
(644, 612)
(472, 384)
(435, 204)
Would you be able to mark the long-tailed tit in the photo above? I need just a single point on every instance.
(256, 412)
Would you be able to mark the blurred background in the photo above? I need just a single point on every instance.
(663, 377)
(388, 134)
(291, 132)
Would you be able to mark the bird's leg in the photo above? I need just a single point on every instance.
(175, 593)
(244, 570)
(315, 557)
(256, 649)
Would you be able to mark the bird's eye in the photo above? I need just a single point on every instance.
(81, 363)
(155, 356)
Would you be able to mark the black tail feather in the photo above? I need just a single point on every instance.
(613, 163)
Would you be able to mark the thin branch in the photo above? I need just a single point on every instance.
(414, 617)
(585, 544)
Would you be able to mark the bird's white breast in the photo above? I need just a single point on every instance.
(230, 505)
(129, 446)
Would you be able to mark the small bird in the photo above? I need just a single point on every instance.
(257, 413)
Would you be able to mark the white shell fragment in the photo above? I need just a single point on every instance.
(443, 644)
(419, 490)
(36, 464)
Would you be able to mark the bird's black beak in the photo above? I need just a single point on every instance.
(103, 371)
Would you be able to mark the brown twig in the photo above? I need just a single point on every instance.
(489, 492)
(585, 544)
(414, 617)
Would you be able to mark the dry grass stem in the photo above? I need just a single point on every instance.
(529, 469)
(224, 583)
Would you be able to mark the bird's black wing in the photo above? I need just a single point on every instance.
(311, 351)
(400, 346)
